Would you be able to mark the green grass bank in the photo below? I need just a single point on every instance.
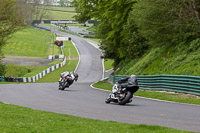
(176, 60)
(61, 13)
(29, 42)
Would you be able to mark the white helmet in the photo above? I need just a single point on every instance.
(133, 76)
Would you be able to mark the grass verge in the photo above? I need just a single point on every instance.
(108, 64)
(173, 60)
(62, 8)
(175, 97)
(59, 15)
(55, 75)
(69, 49)
(28, 42)
(22, 120)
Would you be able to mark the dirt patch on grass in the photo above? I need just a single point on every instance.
(72, 58)
(26, 61)
(30, 61)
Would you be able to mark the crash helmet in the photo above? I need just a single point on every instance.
(75, 75)
(133, 76)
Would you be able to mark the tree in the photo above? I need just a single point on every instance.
(84, 9)
(114, 14)
(195, 5)
(128, 28)
(112, 17)
(40, 10)
(113, 28)
(33, 10)
(10, 21)
(167, 22)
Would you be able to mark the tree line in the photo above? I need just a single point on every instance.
(129, 28)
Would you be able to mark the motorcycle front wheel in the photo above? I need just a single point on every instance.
(61, 86)
(108, 99)
(125, 99)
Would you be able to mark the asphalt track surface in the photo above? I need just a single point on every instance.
(84, 101)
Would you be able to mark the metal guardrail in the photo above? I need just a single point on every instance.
(175, 83)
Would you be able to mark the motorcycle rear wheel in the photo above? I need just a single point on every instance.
(126, 98)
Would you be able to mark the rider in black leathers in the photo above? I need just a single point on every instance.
(129, 82)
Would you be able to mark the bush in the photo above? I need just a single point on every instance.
(15, 71)
(2, 69)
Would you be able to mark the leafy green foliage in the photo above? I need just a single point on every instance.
(129, 29)
(23, 71)
(14, 71)
(113, 19)
(2, 69)
(165, 23)
(84, 9)
(10, 20)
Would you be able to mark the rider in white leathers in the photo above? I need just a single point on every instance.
(73, 75)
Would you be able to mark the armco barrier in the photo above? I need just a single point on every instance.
(2, 78)
(175, 83)
(43, 73)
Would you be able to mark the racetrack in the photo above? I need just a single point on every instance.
(82, 100)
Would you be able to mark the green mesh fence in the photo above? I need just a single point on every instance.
(175, 83)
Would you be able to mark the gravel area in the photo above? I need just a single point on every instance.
(26, 61)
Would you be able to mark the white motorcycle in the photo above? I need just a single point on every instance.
(121, 95)
(66, 79)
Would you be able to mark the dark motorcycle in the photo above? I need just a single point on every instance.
(121, 95)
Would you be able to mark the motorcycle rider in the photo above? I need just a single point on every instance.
(123, 90)
(129, 82)
(73, 75)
